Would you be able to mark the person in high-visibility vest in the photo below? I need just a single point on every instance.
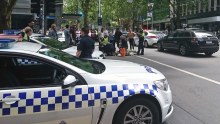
(105, 40)
(26, 34)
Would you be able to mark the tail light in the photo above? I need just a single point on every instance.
(194, 40)
(152, 36)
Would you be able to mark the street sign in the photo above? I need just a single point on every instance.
(149, 14)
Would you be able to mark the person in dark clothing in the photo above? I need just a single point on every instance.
(73, 34)
(140, 44)
(117, 36)
(86, 45)
(124, 43)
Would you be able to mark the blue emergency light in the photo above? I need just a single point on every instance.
(6, 43)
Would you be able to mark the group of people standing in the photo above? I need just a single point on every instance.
(109, 41)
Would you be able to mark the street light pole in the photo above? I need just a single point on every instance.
(43, 18)
(152, 16)
(99, 16)
(77, 6)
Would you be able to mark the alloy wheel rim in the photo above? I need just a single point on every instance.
(182, 50)
(139, 114)
(159, 46)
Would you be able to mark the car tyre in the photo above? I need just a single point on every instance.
(182, 50)
(208, 53)
(160, 47)
(138, 111)
(146, 45)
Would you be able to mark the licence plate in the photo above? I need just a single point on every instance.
(208, 42)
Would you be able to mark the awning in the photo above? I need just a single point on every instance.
(204, 20)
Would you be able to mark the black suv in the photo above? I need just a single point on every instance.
(190, 41)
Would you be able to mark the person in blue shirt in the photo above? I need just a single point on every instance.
(67, 35)
(86, 45)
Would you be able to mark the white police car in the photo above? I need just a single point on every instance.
(47, 41)
(47, 86)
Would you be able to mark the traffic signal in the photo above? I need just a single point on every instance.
(99, 21)
(35, 6)
(50, 6)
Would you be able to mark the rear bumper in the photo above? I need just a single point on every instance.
(151, 42)
(203, 49)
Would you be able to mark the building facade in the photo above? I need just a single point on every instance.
(204, 14)
(21, 15)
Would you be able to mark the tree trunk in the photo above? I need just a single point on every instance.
(85, 6)
(5, 22)
(85, 19)
(5, 14)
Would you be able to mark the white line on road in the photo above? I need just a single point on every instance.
(181, 70)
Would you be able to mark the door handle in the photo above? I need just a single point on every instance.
(10, 100)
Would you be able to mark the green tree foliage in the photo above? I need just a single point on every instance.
(120, 12)
(86, 6)
(6, 7)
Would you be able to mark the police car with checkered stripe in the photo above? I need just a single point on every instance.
(46, 86)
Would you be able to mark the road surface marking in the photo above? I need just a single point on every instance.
(181, 70)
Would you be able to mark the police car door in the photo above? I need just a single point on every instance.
(32, 93)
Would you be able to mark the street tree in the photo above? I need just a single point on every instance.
(120, 11)
(6, 7)
(87, 7)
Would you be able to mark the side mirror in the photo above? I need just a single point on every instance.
(69, 81)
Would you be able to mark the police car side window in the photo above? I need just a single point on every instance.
(19, 72)
(8, 77)
(37, 73)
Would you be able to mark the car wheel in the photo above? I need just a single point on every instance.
(137, 111)
(182, 50)
(160, 47)
(208, 53)
(146, 44)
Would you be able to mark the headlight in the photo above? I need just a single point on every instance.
(162, 84)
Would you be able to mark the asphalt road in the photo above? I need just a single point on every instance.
(194, 81)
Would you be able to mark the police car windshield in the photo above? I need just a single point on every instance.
(52, 43)
(86, 65)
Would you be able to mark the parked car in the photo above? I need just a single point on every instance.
(151, 37)
(190, 41)
(48, 86)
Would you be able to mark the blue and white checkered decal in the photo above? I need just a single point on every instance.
(56, 99)
(23, 61)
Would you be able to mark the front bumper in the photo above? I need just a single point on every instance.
(165, 100)
(169, 113)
